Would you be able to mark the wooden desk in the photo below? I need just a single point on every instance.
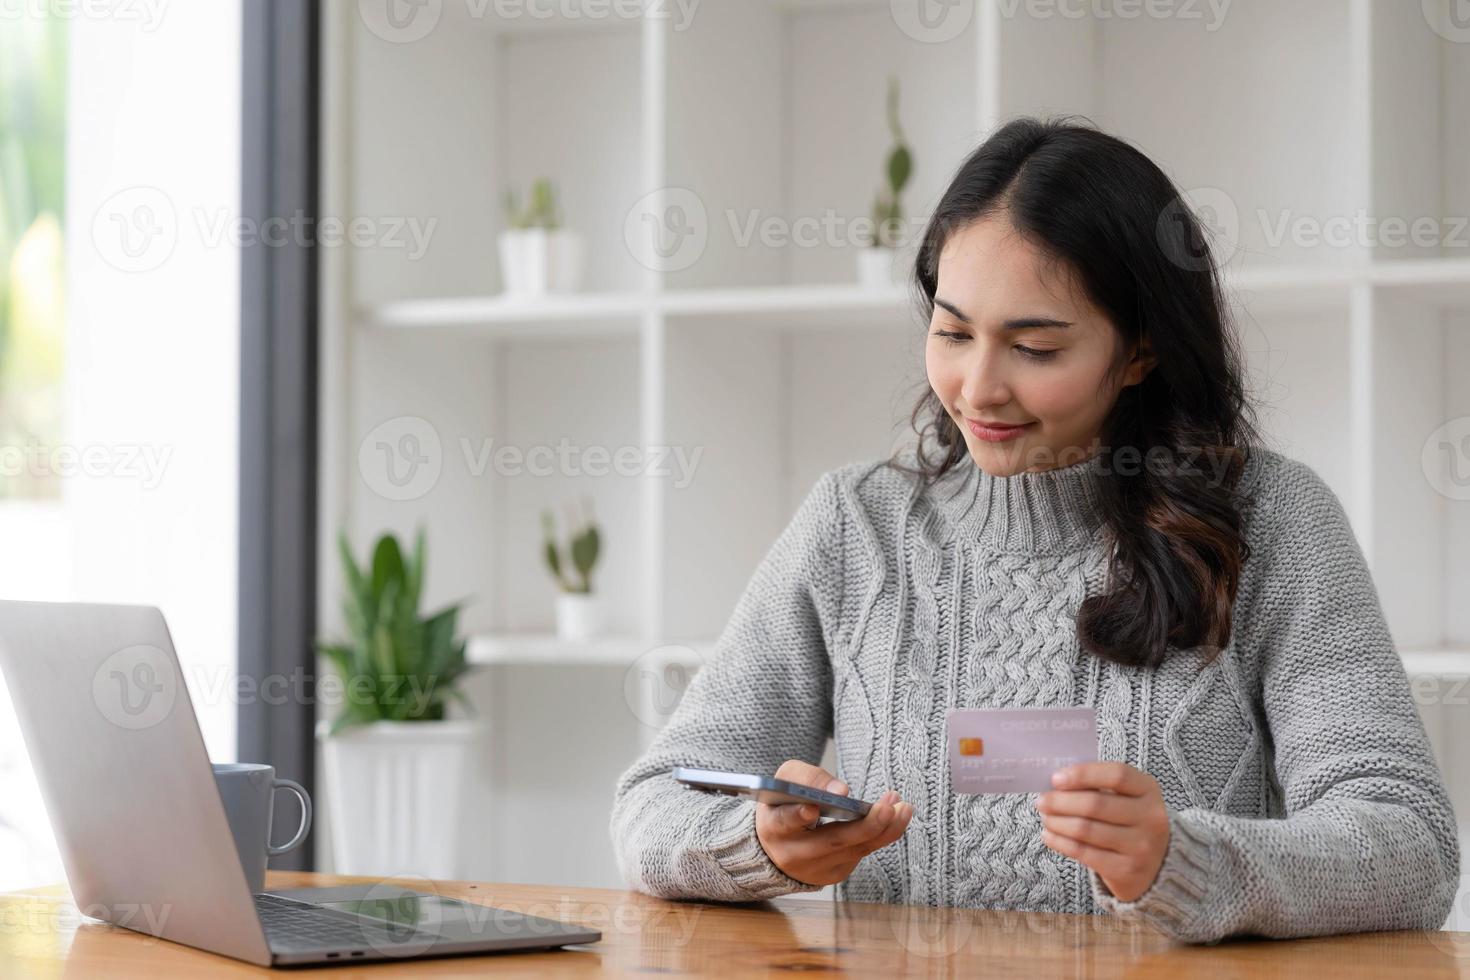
(41, 935)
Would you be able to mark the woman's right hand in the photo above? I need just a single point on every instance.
(827, 854)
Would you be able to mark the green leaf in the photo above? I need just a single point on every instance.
(414, 578)
(387, 566)
(900, 168)
(585, 547)
(408, 664)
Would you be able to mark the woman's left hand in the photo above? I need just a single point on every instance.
(1110, 817)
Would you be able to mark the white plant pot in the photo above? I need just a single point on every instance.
(394, 796)
(537, 262)
(578, 616)
(879, 268)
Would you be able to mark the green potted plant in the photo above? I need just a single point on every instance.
(579, 611)
(397, 671)
(537, 255)
(878, 264)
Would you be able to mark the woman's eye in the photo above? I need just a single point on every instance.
(955, 337)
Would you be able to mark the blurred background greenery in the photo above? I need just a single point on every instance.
(33, 59)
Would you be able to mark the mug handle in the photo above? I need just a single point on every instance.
(301, 831)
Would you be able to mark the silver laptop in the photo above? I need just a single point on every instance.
(142, 830)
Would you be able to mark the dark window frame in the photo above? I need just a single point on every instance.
(279, 341)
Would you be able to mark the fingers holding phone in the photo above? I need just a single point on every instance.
(816, 854)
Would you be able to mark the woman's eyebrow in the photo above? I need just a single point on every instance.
(1019, 323)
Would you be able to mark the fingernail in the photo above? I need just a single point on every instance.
(1061, 777)
(903, 809)
(835, 786)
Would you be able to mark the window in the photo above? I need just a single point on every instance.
(119, 342)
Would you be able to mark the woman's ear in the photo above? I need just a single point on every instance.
(1140, 364)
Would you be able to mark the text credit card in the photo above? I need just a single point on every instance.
(1015, 750)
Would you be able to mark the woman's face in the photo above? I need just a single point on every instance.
(1015, 343)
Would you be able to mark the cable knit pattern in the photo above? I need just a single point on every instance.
(1302, 792)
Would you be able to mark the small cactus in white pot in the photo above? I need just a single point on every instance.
(537, 255)
(878, 263)
(579, 612)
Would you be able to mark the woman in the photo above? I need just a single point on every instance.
(1085, 521)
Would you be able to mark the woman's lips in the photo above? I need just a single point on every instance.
(995, 431)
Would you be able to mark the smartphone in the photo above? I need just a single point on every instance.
(769, 789)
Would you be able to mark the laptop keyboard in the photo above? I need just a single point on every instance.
(296, 927)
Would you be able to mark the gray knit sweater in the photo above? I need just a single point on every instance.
(1304, 797)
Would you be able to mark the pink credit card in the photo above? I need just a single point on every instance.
(1015, 750)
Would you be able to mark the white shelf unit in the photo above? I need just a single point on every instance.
(768, 360)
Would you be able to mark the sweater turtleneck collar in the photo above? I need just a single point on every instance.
(1047, 512)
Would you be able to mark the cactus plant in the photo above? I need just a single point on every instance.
(541, 210)
(888, 208)
(583, 550)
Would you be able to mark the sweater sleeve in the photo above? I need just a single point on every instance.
(1368, 838)
(763, 697)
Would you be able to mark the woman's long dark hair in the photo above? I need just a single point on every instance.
(1110, 216)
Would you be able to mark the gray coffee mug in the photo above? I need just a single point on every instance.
(248, 791)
